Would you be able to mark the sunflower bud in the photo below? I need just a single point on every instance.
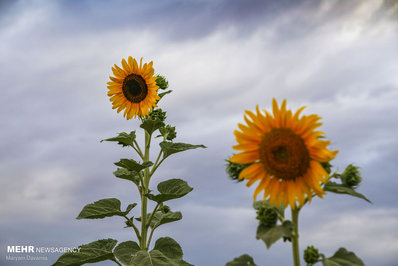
(168, 132)
(311, 255)
(157, 114)
(162, 82)
(267, 216)
(233, 169)
(351, 176)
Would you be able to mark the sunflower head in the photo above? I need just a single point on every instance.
(285, 154)
(133, 88)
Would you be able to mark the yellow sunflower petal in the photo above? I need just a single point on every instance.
(245, 157)
(251, 171)
(284, 151)
(119, 91)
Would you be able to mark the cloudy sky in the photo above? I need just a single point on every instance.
(221, 57)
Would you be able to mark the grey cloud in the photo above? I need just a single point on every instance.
(227, 58)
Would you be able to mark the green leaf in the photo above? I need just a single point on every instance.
(132, 165)
(123, 139)
(129, 208)
(243, 260)
(170, 189)
(151, 126)
(104, 208)
(128, 175)
(272, 234)
(164, 93)
(125, 252)
(169, 148)
(167, 252)
(343, 257)
(96, 251)
(160, 218)
(343, 189)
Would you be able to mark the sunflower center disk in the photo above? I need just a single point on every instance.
(284, 154)
(134, 88)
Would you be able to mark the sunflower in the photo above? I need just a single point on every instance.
(284, 152)
(133, 89)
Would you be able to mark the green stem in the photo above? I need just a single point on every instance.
(135, 229)
(295, 237)
(150, 218)
(141, 178)
(138, 149)
(145, 191)
(150, 236)
(156, 166)
(280, 217)
(156, 163)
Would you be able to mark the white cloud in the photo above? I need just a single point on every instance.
(370, 233)
(338, 59)
(42, 194)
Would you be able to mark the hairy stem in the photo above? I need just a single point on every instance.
(144, 199)
(150, 217)
(138, 149)
(156, 164)
(137, 232)
(150, 236)
(295, 237)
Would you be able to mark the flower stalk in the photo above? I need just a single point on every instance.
(144, 199)
(295, 237)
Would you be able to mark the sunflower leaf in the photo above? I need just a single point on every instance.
(96, 251)
(242, 260)
(343, 257)
(104, 208)
(133, 165)
(170, 189)
(126, 251)
(272, 234)
(128, 175)
(151, 125)
(343, 189)
(167, 252)
(160, 218)
(170, 148)
(123, 139)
